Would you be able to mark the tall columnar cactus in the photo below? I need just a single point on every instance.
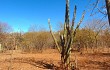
(67, 38)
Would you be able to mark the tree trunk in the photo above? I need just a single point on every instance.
(108, 9)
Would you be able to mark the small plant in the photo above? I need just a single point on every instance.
(67, 38)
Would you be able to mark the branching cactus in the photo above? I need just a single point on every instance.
(67, 37)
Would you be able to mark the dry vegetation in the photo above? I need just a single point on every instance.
(89, 47)
(36, 50)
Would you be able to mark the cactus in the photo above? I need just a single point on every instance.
(67, 38)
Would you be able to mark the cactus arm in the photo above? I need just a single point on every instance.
(74, 17)
(70, 38)
(56, 43)
(67, 17)
(78, 24)
(73, 21)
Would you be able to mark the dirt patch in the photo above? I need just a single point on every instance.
(51, 60)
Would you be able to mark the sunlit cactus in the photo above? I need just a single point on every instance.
(67, 38)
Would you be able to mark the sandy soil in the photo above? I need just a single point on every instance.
(51, 59)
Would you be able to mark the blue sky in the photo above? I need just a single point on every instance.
(21, 14)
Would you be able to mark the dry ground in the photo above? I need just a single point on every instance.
(51, 58)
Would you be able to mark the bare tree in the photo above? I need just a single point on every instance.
(5, 28)
(108, 9)
(101, 8)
